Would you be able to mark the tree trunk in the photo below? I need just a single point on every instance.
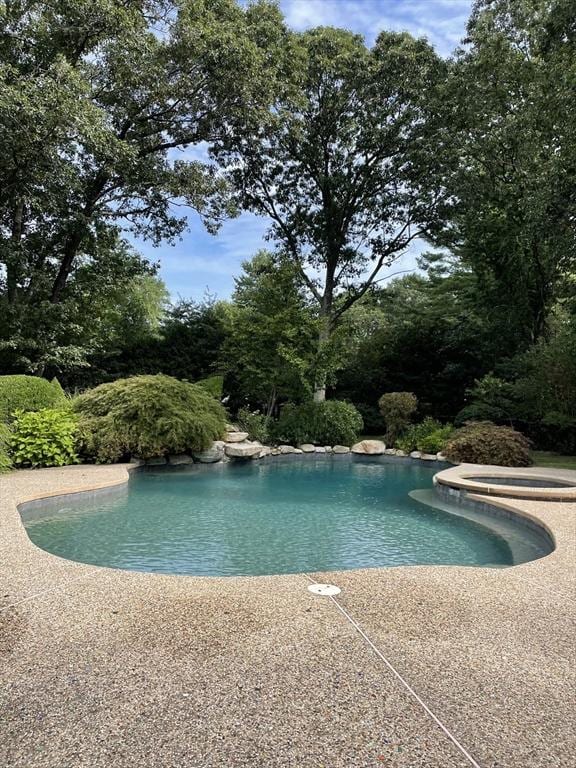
(323, 338)
(12, 266)
(71, 246)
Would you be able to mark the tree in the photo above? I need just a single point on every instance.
(346, 164)
(96, 98)
(512, 97)
(269, 348)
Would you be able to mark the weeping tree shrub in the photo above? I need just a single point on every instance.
(146, 416)
(482, 442)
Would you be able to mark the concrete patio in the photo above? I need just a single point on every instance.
(109, 669)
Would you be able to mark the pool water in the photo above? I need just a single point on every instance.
(263, 518)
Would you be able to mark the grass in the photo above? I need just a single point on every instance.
(549, 459)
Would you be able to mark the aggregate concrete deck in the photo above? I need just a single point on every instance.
(110, 669)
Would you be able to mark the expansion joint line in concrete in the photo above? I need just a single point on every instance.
(403, 682)
(58, 588)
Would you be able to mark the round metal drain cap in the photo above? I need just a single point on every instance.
(326, 590)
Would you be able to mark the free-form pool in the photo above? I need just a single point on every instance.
(270, 517)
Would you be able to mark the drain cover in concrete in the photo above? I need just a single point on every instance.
(326, 590)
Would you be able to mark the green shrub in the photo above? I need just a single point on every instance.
(213, 385)
(255, 423)
(147, 416)
(482, 442)
(44, 438)
(329, 423)
(28, 393)
(397, 408)
(430, 436)
(5, 437)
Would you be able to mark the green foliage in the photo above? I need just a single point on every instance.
(44, 438)
(270, 341)
(28, 393)
(481, 442)
(213, 385)
(331, 422)
(147, 416)
(257, 424)
(397, 408)
(430, 436)
(5, 438)
(349, 144)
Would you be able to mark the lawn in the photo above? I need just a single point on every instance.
(549, 459)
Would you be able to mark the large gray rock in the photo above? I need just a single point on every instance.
(307, 448)
(286, 449)
(328, 448)
(236, 437)
(416, 455)
(369, 447)
(320, 449)
(211, 455)
(341, 449)
(181, 458)
(242, 450)
(265, 451)
(428, 457)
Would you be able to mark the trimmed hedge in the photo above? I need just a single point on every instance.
(28, 393)
(482, 442)
(5, 438)
(329, 423)
(146, 416)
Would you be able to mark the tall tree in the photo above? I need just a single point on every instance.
(512, 106)
(345, 165)
(268, 351)
(96, 100)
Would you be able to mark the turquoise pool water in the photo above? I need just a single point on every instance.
(264, 518)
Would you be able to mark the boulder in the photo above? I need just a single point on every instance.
(320, 449)
(440, 457)
(369, 447)
(328, 448)
(231, 428)
(416, 455)
(341, 449)
(236, 437)
(286, 449)
(156, 461)
(307, 448)
(399, 452)
(211, 455)
(428, 456)
(265, 451)
(181, 458)
(275, 452)
(297, 450)
(242, 450)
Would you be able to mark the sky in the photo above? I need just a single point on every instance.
(201, 263)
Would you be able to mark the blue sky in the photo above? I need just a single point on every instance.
(201, 262)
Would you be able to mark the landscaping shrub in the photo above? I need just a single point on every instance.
(5, 436)
(255, 423)
(397, 408)
(482, 442)
(147, 416)
(430, 436)
(44, 438)
(329, 423)
(213, 385)
(28, 393)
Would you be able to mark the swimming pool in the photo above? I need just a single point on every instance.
(272, 518)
